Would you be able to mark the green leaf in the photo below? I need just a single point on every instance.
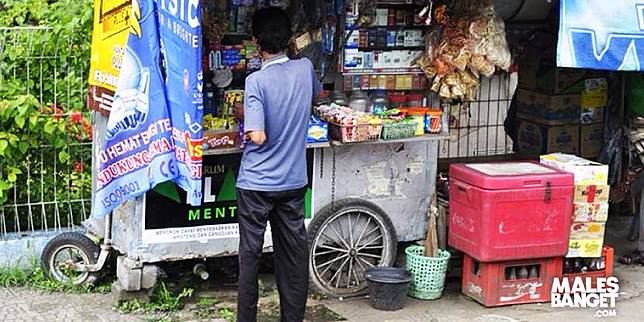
(33, 119)
(20, 121)
(50, 127)
(12, 177)
(23, 147)
(3, 146)
(22, 107)
(63, 156)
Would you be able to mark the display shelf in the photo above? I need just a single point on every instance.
(409, 3)
(383, 71)
(238, 150)
(388, 27)
(422, 138)
(386, 89)
(385, 48)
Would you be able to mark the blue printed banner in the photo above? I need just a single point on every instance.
(600, 34)
(154, 131)
(180, 32)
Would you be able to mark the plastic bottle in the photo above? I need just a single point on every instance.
(378, 103)
(359, 101)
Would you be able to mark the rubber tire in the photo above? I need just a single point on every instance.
(328, 212)
(79, 240)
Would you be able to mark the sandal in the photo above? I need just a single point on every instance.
(637, 256)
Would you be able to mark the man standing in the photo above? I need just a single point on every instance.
(272, 177)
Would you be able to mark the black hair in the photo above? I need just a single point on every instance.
(272, 29)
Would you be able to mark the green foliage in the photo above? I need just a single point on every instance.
(43, 117)
(24, 129)
(206, 302)
(36, 278)
(162, 300)
(226, 314)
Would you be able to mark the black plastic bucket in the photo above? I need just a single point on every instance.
(387, 287)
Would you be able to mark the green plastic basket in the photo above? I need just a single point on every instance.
(397, 131)
(428, 273)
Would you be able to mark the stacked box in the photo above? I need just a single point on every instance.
(551, 101)
(590, 202)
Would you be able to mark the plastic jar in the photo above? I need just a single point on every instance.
(378, 103)
(433, 121)
(338, 97)
(359, 101)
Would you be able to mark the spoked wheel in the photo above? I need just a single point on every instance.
(347, 238)
(65, 253)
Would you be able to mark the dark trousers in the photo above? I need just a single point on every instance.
(285, 211)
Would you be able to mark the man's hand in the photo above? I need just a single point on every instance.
(257, 137)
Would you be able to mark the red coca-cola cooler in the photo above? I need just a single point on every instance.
(510, 210)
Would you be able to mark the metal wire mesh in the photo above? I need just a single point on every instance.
(476, 128)
(48, 195)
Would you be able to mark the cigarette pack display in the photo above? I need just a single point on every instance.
(510, 210)
(510, 282)
(382, 16)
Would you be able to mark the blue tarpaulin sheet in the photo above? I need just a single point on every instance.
(600, 34)
(154, 129)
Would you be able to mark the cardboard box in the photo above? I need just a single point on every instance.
(589, 115)
(561, 80)
(590, 212)
(539, 75)
(593, 100)
(591, 140)
(591, 193)
(536, 139)
(585, 247)
(595, 93)
(586, 172)
(587, 230)
(548, 109)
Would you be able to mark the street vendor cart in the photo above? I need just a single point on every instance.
(362, 199)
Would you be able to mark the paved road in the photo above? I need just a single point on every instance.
(20, 304)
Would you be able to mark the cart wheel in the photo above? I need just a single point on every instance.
(63, 252)
(347, 238)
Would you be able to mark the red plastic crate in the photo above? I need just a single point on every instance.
(608, 253)
(506, 211)
(488, 283)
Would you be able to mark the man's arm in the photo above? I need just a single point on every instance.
(317, 86)
(254, 113)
